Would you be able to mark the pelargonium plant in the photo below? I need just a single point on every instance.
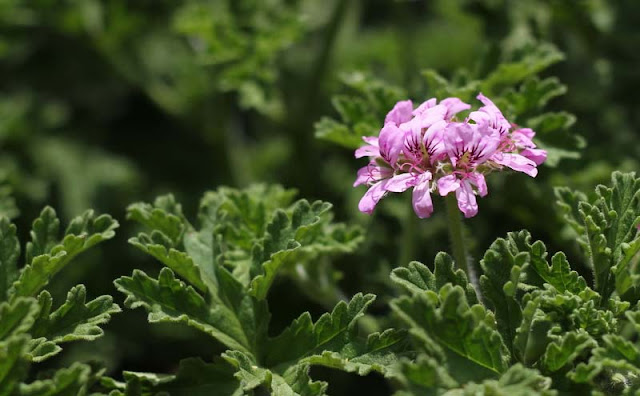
(429, 149)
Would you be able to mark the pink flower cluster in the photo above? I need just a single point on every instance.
(428, 150)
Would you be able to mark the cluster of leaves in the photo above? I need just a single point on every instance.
(240, 41)
(538, 328)
(216, 278)
(533, 326)
(512, 83)
(234, 44)
(30, 329)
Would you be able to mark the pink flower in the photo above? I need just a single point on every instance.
(400, 113)
(466, 186)
(428, 150)
(490, 116)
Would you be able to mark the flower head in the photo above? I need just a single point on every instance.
(427, 149)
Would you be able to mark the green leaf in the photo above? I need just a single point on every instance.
(467, 332)
(568, 201)
(170, 300)
(564, 351)
(534, 94)
(82, 233)
(361, 113)
(417, 278)
(285, 236)
(17, 317)
(45, 234)
(538, 272)
(14, 365)
(241, 60)
(613, 366)
(532, 336)
(335, 132)
(9, 253)
(242, 215)
(425, 376)
(297, 377)
(626, 272)
(165, 216)
(608, 226)
(294, 382)
(193, 378)
(380, 353)
(303, 338)
(517, 381)
(533, 59)
(74, 380)
(502, 266)
(180, 262)
(232, 221)
(74, 320)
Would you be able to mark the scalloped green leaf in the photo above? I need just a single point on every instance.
(168, 299)
(17, 317)
(193, 378)
(532, 336)
(180, 262)
(534, 59)
(74, 380)
(615, 363)
(45, 234)
(502, 266)
(303, 338)
(517, 381)
(285, 236)
(14, 365)
(361, 113)
(468, 333)
(9, 253)
(539, 271)
(607, 224)
(417, 277)
(564, 351)
(82, 233)
(165, 216)
(293, 382)
(74, 320)
(381, 353)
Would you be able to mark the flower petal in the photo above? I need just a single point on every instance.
(536, 155)
(454, 106)
(367, 151)
(372, 140)
(372, 173)
(447, 184)
(467, 200)
(391, 141)
(516, 162)
(400, 113)
(425, 106)
(478, 180)
(421, 200)
(399, 183)
(371, 198)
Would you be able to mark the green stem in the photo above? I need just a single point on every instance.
(456, 234)
(408, 249)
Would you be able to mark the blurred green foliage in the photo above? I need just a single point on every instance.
(107, 102)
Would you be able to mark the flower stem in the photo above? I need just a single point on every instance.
(456, 235)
